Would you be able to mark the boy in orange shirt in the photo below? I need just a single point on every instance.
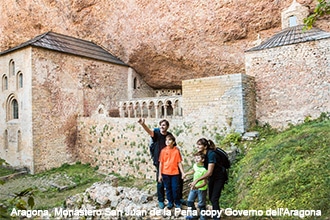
(169, 165)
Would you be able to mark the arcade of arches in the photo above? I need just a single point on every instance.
(151, 108)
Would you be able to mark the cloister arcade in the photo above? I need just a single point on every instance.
(160, 107)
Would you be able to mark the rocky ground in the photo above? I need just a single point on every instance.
(103, 200)
(110, 201)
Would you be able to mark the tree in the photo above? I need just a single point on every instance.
(322, 9)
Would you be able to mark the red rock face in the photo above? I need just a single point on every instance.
(164, 41)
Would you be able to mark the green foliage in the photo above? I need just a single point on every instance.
(265, 130)
(321, 9)
(131, 127)
(76, 178)
(92, 130)
(287, 170)
(5, 172)
(177, 130)
(23, 200)
(233, 138)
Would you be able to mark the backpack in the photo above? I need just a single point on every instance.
(224, 158)
(224, 161)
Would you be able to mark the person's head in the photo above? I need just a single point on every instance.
(170, 140)
(203, 145)
(199, 157)
(164, 125)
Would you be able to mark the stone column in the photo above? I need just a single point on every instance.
(149, 109)
(129, 111)
(157, 111)
(135, 110)
(174, 109)
(165, 110)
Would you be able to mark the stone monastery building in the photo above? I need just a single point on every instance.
(65, 99)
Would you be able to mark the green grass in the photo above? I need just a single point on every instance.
(289, 169)
(77, 178)
(5, 171)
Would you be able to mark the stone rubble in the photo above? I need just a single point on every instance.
(117, 202)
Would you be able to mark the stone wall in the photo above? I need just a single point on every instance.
(136, 87)
(292, 82)
(222, 100)
(121, 145)
(65, 86)
(15, 134)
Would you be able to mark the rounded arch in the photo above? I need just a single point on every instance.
(160, 108)
(11, 67)
(144, 109)
(136, 83)
(101, 109)
(137, 109)
(177, 108)
(152, 109)
(12, 108)
(4, 82)
(124, 110)
(130, 109)
(19, 80)
(169, 107)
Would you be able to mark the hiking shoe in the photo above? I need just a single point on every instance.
(178, 206)
(183, 202)
(191, 217)
(161, 205)
(170, 205)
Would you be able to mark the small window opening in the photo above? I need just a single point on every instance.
(15, 109)
(20, 80)
(292, 21)
(135, 83)
(4, 83)
(5, 138)
(11, 68)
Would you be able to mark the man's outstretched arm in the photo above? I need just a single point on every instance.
(141, 121)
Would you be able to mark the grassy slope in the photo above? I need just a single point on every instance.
(287, 170)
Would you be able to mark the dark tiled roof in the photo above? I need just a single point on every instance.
(70, 45)
(292, 35)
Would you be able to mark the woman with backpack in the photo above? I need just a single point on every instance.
(215, 174)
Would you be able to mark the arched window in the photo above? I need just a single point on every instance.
(19, 80)
(12, 108)
(4, 82)
(169, 108)
(144, 109)
(11, 68)
(15, 109)
(135, 83)
(152, 109)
